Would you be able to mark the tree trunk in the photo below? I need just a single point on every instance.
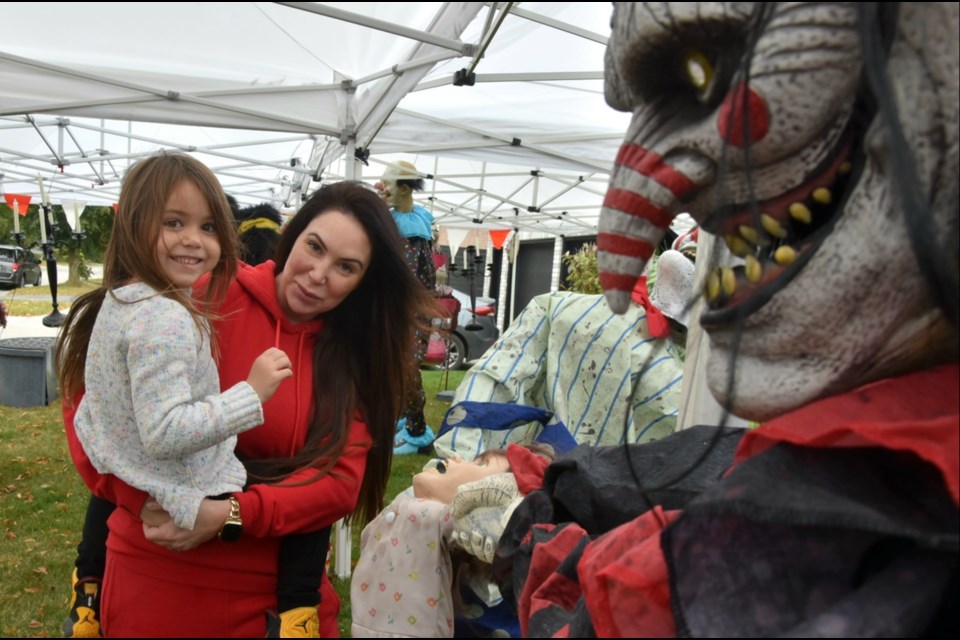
(74, 260)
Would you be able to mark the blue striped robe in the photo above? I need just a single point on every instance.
(601, 374)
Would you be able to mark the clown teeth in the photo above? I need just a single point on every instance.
(796, 205)
(777, 237)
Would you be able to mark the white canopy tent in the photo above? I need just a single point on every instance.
(275, 96)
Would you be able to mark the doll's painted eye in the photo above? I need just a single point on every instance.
(441, 467)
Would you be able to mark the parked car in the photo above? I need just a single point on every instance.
(18, 266)
(472, 335)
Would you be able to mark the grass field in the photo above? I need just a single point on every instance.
(20, 302)
(43, 501)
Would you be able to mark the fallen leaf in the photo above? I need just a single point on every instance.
(41, 570)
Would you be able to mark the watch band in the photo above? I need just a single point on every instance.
(234, 509)
(232, 527)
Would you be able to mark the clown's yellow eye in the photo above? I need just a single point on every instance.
(698, 70)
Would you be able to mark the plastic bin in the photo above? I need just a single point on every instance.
(28, 377)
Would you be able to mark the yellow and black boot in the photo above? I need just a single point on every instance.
(84, 618)
(301, 622)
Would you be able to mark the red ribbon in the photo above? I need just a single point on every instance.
(527, 467)
(657, 323)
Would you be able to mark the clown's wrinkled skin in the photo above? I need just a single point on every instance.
(828, 294)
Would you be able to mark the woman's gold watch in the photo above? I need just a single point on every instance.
(232, 527)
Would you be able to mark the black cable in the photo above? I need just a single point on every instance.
(761, 16)
(873, 25)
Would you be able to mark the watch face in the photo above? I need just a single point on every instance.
(231, 531)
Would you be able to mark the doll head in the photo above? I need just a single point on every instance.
(442, 482)
(398, 183)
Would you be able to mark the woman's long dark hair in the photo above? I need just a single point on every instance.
(363, 356)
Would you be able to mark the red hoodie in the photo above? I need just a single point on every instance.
(250, 322)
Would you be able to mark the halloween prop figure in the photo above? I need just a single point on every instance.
(820, 143)
(415, 223)
(258, 228)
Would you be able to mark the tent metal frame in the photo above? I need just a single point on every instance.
(95, 172)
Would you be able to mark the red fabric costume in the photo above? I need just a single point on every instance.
(627, 581)
(220, 589)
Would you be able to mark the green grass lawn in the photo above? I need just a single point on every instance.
(18, 303)
(43, 501)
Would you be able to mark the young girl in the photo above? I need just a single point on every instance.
(140, 350)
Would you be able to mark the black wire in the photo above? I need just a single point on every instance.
(928, 251)
(761, 16)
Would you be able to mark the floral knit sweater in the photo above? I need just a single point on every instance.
(153, 414)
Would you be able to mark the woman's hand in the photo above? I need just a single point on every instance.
(153, 514)
(210, 518)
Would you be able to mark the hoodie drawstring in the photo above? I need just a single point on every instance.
(299, 366)
(296, 384)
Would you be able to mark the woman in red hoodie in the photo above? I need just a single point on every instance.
(341, 303)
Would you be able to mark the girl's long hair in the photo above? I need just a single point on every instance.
(131, 254)
(363, 359)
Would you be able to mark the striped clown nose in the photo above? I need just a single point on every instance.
(631, 224)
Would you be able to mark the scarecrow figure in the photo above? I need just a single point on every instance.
(415, 223)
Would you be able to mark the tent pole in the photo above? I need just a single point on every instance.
(341, 562)
(488, 274)
(350, 169)
(502, 291)
(555, 270)
(380, 25)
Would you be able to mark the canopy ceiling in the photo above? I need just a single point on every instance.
(273, 96)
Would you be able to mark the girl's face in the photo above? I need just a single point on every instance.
(442, 487)
(188, 246)
(327, 262)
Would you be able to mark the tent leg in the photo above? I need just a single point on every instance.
(341, 546)
(445, 374)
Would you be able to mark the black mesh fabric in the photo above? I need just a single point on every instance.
(804, 542)
(593, 486)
